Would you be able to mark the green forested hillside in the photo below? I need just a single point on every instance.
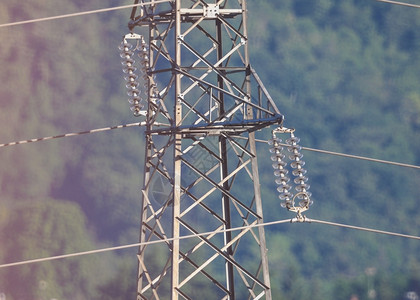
(344, 73)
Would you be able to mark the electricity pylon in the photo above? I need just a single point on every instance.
(203, 104)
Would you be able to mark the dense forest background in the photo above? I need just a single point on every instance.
(344, 73)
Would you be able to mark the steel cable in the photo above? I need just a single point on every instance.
(400, 3)
(71, 134)
(81, 13)
(306, 220)
(37, 260)
(364, 229)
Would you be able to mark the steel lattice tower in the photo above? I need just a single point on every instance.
(204, 104)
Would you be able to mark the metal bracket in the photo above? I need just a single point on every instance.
(211, 11)
(300, 218)
(133, 36)
(282, 129)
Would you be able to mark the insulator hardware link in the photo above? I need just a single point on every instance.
(281, 160)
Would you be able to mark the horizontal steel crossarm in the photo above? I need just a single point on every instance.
(218, 128)
(221, 188)
(222, 252)
(152, 19)
(197, 12)
(256, 106)
(228, 69)
(189, 15)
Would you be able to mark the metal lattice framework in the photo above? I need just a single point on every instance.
(204, 104)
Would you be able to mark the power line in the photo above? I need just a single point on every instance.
(136, 5)
(81, 13)
(257, 140)
(354, 156)
(364, 229)
(71, 134)
(122, 247)
(399, 3)
(139, 244)
(362, 158)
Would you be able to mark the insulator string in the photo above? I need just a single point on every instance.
(126, 53)
(280, 164)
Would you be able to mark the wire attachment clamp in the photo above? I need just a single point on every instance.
(280, 165)
(127, 51)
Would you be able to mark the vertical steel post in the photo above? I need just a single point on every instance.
(230, 282)
(255, 171)
(177, 156)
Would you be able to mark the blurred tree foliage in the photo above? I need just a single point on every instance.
(344, 73)
(41, 229)
(55, 78)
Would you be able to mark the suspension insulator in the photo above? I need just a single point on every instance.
(280, 172)
(299, 173)
(127, 51)
(280, 165)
